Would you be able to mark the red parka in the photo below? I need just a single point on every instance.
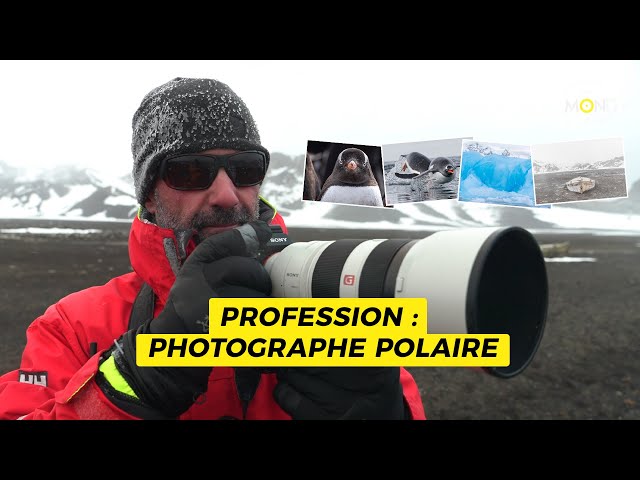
(55, 379)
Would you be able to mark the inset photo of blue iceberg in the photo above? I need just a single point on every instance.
(496, 173)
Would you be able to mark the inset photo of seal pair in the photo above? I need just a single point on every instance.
(421, 171)
(344, 173)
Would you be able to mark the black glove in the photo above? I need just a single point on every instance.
(341, 393)
(223, 265)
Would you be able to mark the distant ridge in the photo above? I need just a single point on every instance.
(77, 193)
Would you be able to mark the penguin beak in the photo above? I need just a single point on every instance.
(352, 165)
(450, 170)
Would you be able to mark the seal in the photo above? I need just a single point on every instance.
(412, 165)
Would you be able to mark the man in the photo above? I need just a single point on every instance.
(198, 167)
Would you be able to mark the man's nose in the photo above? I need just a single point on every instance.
(222, 192)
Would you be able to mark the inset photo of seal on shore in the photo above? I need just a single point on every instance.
(421, 171)
(577, 171)
(342, 173)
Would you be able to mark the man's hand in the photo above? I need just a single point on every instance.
(223, 265)
(341, 393)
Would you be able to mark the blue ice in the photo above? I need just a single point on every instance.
(496, 179)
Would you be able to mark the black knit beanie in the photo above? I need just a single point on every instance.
(187, 115)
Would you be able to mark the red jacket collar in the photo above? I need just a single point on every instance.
(149, 258)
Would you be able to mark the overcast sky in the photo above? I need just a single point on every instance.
(567, 154)
(79, 112)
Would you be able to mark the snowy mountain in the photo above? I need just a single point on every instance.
(76, 193)
(545, 167)
(67, 192)
(616, 162)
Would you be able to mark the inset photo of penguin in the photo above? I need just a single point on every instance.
(348, 174)
(422, 171)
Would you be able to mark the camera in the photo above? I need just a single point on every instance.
(486, 280)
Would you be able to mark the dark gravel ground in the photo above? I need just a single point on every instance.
(550, 187)
(586, 366)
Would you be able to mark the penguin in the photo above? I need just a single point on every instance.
(352, 181)
(311, 189)
(416, 164)
(442, 170)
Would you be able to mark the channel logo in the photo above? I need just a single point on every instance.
(588, 105)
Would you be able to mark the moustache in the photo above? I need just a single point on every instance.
(223, 216)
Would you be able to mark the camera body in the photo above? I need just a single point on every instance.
(278, 242)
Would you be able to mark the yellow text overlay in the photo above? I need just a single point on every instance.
(296, 332)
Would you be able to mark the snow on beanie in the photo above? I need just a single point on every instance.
(187, 115)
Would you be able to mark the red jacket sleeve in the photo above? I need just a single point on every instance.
(412, 396)
(53, 371)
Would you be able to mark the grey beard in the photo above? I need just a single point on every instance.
(165, 218)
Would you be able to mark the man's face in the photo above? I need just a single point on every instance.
(221, 207)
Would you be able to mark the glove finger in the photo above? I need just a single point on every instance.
(239, 272)
(296, 405)
(348, 379)
(255, 236)
(373, 379)
(365, 408)
(321, 389)
(238, 291)
(262, 231)
(365, 379)
(385, 404)
(245, 240)
(322, 381)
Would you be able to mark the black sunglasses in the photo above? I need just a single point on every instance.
(198, 171)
